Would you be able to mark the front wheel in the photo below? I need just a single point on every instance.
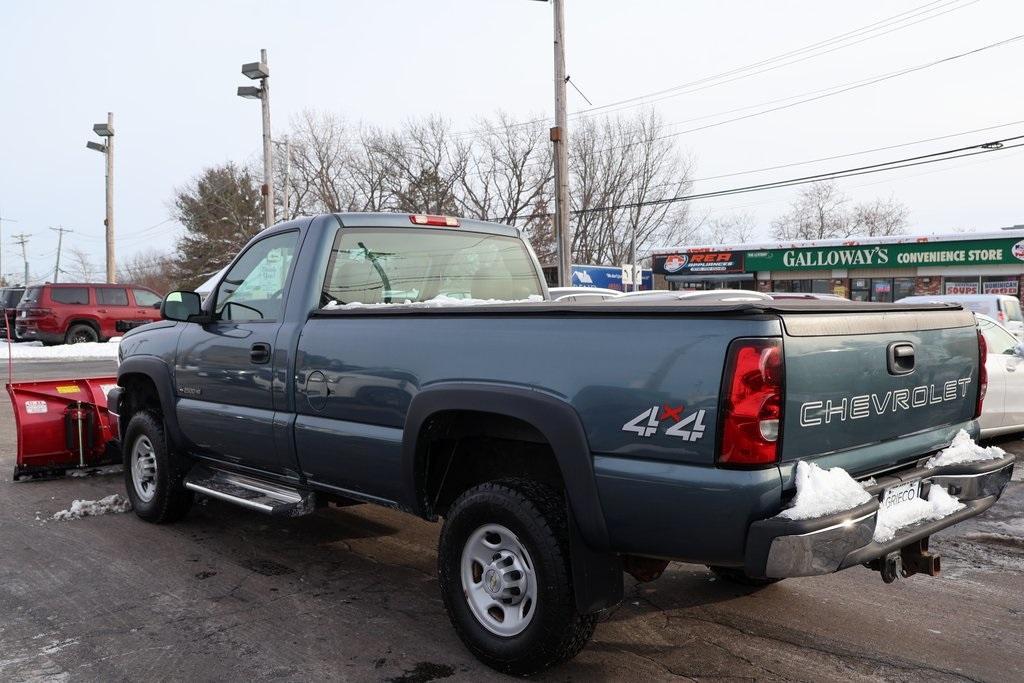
(153, 474)
(503, 561)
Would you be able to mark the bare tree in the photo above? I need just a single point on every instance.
(153, 269)
(321, 162)
(819, 212)
(737, 228)
(880, 218)
(80, 267)
(623, 171)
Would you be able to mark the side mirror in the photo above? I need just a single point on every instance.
(182, 306)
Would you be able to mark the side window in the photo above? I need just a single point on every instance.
(70, 295)
(998, 341)
(145, 298)
(254, 287)
(111, 296)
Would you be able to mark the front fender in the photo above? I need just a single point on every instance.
(552, 417)
(158, 372)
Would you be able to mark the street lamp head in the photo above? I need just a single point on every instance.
(96, 146)
(104, 130)
(249, 92)
(255, 70)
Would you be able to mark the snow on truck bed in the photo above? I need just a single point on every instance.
(440, 301)
(85, 351)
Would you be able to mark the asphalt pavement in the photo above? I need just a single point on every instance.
(351, 594)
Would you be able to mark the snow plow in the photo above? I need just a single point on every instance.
(63, 425)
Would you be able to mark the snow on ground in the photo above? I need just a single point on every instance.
(939, 505)
(822, 492)
(91, 508)
(964, 450)
(440, 301)
(36, 351)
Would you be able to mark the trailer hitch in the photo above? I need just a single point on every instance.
(907, 561)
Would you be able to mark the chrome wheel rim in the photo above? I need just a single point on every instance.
(143, 464)
(499, 580)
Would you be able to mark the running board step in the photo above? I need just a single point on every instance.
(256, 494)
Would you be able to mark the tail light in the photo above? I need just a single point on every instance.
(751, 416)
(982, 373)
(37, 312)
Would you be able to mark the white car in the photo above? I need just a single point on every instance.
(581, 294)
(1003, 410)
(1003, 308)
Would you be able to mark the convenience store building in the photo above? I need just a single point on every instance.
(865, 269)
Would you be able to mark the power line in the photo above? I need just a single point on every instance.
(972, 150)
(704, 81)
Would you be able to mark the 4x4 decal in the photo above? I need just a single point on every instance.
(688, 428)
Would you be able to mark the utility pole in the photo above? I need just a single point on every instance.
(560, 138)
(260, 71)
(287, 176)
(60, 242)
(22, 240)
(2, 221)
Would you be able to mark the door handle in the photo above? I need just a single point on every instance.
(259, 353)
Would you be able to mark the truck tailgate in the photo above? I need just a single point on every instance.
(860, 379)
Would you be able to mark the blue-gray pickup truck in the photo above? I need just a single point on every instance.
(415, 362)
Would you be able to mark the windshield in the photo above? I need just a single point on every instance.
(394, 265)
(31, 295)
(998, 340)
(1012, 309)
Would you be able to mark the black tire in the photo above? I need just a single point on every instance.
(81, 333)
(170, 499)
(536, 514)
(738, 576)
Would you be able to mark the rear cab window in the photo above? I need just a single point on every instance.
(397, 265)
(77, 296)
(111, 296)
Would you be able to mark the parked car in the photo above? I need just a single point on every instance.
(9, 299)
(1002, 308)
(73, 313)
(581, 294)
(556, 464)
(1004, 405)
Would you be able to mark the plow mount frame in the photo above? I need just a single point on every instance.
(63, 424)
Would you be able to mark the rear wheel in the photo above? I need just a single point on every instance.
(738, 576)
(81, 334)
(153, 474)
(503, 562)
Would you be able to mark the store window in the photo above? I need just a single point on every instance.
(962, 285)
(902, 287)
(881, 289)
(860, 290)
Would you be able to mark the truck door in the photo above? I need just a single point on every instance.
(224, 369)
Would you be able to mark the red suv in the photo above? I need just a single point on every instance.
(73, 313)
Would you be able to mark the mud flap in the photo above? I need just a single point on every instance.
(62, 425)
(596, 576)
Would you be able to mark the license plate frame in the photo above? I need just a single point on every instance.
(899, 494)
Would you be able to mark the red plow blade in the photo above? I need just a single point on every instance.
(62, 425)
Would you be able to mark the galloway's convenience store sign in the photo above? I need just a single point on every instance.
(966, 253)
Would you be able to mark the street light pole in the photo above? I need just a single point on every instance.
(106, 131)
(259, 71)
(109, 220)
(560, 138)
(287, 188)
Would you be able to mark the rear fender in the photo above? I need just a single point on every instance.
(555, 419)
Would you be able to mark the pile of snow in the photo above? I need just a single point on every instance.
(439, 301)
(938, 505)
(964, 450)
(85, 351)
(822, 492)
(91, 508)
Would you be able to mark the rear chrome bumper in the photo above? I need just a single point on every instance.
(779, 548)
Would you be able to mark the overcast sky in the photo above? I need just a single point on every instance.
(169, 70)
